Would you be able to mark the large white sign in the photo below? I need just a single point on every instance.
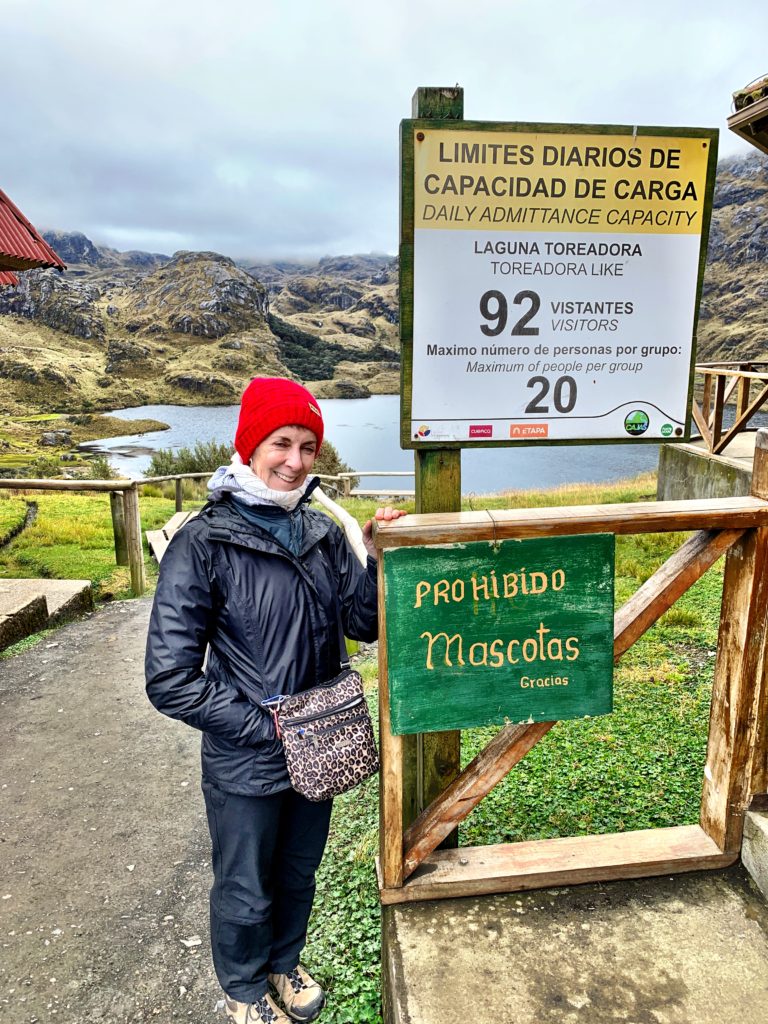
(554, 284)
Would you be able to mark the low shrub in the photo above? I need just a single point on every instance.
(203, 458)
(208, 455)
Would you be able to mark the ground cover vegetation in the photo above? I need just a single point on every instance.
(13, 513)
(640, 767)
(71, 538)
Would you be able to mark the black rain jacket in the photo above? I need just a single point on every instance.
(268, 620)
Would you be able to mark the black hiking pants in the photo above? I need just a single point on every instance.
(266, 850)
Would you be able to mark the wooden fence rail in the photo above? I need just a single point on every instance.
(744, 384)
(386, 492)
(410, 864)
(124, 507)
(126, 519)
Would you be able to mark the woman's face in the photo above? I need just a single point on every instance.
(284, 459)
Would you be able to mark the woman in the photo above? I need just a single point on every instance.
(258, 580)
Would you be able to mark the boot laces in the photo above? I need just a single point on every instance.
(296, 980)
(266, 1015)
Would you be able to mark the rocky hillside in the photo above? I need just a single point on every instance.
(733, 319)
(135, 328)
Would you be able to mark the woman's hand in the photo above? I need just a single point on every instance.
(382, 515)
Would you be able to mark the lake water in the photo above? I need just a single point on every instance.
(366, 434)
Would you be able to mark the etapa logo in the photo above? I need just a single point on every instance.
(480, 430)
(523, 430)
(423, 431)
(636, 422)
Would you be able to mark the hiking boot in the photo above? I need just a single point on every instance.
(263, 1011)
(300, 994)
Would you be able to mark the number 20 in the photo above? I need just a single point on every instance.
(563, 406)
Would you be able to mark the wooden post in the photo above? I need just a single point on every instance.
(391, 778)
(133, 539)
(118, 526)
(706, 400)
(736, 751)
(431, 761)
(179, 495)
(759, 781)
(742, 402)
(717, 415)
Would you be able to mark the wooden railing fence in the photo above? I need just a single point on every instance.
(745, 385)
(348, 491)
(410, 865)
(126, 517)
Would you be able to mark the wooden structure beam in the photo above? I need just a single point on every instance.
(513, 742)
(668, 583)
(737, 751)
(633, 517)
(514, 867)
(412, 868)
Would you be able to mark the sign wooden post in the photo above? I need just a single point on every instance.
(736, 753)
(431, 761)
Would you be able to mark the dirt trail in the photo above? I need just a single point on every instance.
(103, 846)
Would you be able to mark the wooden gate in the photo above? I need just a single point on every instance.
(410, 865)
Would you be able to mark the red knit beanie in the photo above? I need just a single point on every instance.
(272, 402)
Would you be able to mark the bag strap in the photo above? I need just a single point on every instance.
(343, 655)
(273, 705)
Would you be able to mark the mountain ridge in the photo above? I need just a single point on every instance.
(135, 328)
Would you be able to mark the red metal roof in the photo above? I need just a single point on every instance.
(8, 277)
(21, 246)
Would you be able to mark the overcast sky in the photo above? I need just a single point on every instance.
(260, 128)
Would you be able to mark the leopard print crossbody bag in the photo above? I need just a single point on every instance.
(327, 735)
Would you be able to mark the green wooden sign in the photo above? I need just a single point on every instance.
(482, 633)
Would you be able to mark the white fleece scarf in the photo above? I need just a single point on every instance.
(240, 480)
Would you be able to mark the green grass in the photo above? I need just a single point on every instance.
(72, 538)
(13, 511)
(639, 767)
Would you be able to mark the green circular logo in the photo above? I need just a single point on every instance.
(666, 430)
(636, 422)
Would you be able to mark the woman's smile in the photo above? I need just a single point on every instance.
(285, 458)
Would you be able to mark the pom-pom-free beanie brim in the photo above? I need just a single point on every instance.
(272, 402)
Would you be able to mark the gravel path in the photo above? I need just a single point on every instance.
(104, 870)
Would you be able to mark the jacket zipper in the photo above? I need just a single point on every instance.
(353, 703)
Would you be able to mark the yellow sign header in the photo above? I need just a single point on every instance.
(529, 181)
